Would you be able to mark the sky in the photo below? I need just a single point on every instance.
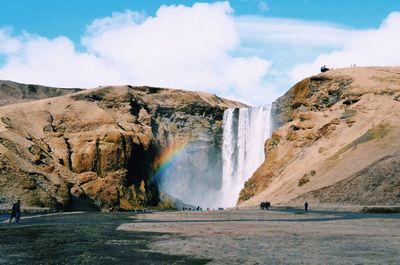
(248, 50)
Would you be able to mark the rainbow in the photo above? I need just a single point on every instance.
(166, 158)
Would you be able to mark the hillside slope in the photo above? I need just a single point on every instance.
(11, 92)
(337, 141)
(97, 149)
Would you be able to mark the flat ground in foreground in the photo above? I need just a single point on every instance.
(216, 237)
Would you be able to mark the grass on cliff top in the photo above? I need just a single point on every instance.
(376, 132)
(88, 238)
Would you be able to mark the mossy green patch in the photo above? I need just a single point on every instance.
(306, 178)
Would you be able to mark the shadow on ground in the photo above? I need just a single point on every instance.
(87, 238)
(317, 216)
(271, 215)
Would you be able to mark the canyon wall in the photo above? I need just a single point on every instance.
(97, 149)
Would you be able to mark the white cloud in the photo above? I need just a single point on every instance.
(202, 47)
(180, 47)
(54, 62)
(379, 47)
(117, 20)
(291, 32)
(8, 44)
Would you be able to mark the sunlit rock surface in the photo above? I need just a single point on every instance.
(96, 149)
(336, 140)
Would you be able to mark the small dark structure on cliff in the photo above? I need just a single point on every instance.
(324, 68)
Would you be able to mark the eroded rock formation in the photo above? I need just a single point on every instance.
(96, 149)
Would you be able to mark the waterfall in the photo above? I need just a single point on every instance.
(193, 173)
(245, 132)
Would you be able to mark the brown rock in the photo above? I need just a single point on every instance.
(102, 144)
(85, 177)
(304, 125)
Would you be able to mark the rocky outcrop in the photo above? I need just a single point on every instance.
(11, 92)
(335, 140)
(98, 149)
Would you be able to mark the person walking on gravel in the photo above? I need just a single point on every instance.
(306, 207)
(15, 212)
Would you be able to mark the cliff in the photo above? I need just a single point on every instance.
(98, 148)
(336, 141)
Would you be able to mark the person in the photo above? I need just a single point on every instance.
(15, 212)
(18, 211)
(12, 213)
(306, 206)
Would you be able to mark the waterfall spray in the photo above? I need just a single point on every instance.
(192, 171)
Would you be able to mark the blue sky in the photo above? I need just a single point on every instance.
(270, 43)
(69, 17)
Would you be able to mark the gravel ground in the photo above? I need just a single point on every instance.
(275, 237)
(278, 236)
(81, 238)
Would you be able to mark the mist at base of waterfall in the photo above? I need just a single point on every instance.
(194, 175)
(211, 177)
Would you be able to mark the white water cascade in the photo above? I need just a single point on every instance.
(245, 132)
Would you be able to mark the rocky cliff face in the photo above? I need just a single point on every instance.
(336, 140)
(97, 149)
